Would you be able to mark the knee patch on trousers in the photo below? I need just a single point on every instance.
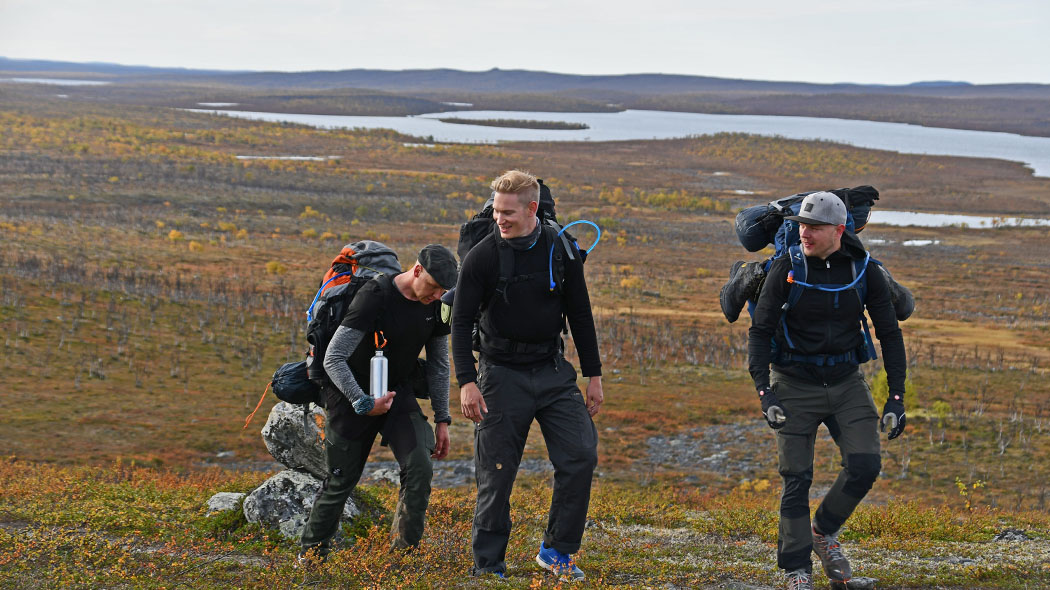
(862, 469)
(794, 501)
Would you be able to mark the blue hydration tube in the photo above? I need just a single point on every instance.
(550, 256)
(830, 288)
(309, 310)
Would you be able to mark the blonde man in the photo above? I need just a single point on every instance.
(509, 284)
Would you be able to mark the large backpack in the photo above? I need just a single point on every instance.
(563, 246)
(482, 224)
(355, 265)
(358, 262)
(762, 225)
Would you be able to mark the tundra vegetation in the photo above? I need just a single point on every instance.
(151, 281)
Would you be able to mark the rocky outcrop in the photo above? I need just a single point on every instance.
(284, 502)
(294, 446)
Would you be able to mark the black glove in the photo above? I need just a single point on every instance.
(893, 416)
(772, 409)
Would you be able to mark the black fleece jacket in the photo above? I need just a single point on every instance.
(818, 327)
(534, 314)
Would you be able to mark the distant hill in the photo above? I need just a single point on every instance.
(109, 69)
(501, 81)
(1011, 108)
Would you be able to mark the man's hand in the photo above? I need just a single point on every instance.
(472, 403)
(382, 404)
(595, 396)
(893, 416)
(772, 410)
(441, 443)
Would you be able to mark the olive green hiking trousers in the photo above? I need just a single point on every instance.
(346, 461)
(848, 411)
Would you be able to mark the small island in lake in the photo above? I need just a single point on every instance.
(518, 123)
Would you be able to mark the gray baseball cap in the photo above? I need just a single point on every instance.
(822, 208)
(440, 263)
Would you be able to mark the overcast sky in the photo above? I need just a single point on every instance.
(870, 41)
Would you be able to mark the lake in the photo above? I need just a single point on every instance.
(906, 218)
(637, 124)
(54, 81)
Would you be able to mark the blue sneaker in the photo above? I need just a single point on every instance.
(559, 564)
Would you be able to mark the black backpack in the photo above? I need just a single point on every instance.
(762, 225)
(482, 224)
(476, 228)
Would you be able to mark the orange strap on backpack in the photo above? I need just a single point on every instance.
(257, 406)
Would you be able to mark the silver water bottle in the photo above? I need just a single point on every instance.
(377, 382)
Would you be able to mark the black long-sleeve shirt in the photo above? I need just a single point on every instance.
(534, 314)
(818, 327)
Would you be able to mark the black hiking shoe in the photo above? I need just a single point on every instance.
(836, 566)
(799, 580)
(745, 280)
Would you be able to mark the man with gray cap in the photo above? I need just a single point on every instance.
(402, 315)
(809, 324)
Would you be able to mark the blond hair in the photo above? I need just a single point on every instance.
(518, 182)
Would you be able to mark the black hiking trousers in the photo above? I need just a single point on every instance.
(514, 397)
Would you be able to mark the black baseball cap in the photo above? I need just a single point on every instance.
(440, 263)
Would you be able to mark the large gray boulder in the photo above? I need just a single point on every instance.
(292, 445)
(284, 502)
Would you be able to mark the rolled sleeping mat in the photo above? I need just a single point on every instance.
(750, 229)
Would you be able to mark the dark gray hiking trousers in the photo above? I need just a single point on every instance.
(514, 397)
(412, 440)
(850, 415)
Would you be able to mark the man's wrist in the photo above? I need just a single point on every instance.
(363, 405)
(446, 421)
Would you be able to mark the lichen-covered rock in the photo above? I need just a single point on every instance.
(1011, 535)
(225, 501)
(861, 583)
(290, 444)
(284, 502)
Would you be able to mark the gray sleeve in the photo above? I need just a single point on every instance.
(438, 376)
(344, 342)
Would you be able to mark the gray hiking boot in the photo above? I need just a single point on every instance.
(836, 566)
(745, 281)
(799, 580)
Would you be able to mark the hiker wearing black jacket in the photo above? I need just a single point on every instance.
(404, 311)
(522, 374)
(815, 379)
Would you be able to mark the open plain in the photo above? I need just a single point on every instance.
(151, 281)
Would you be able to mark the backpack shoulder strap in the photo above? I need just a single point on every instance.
(860, 268)
(564, 240)
(798, 274)
(796, 277)
(505, 255)
(557, 255)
